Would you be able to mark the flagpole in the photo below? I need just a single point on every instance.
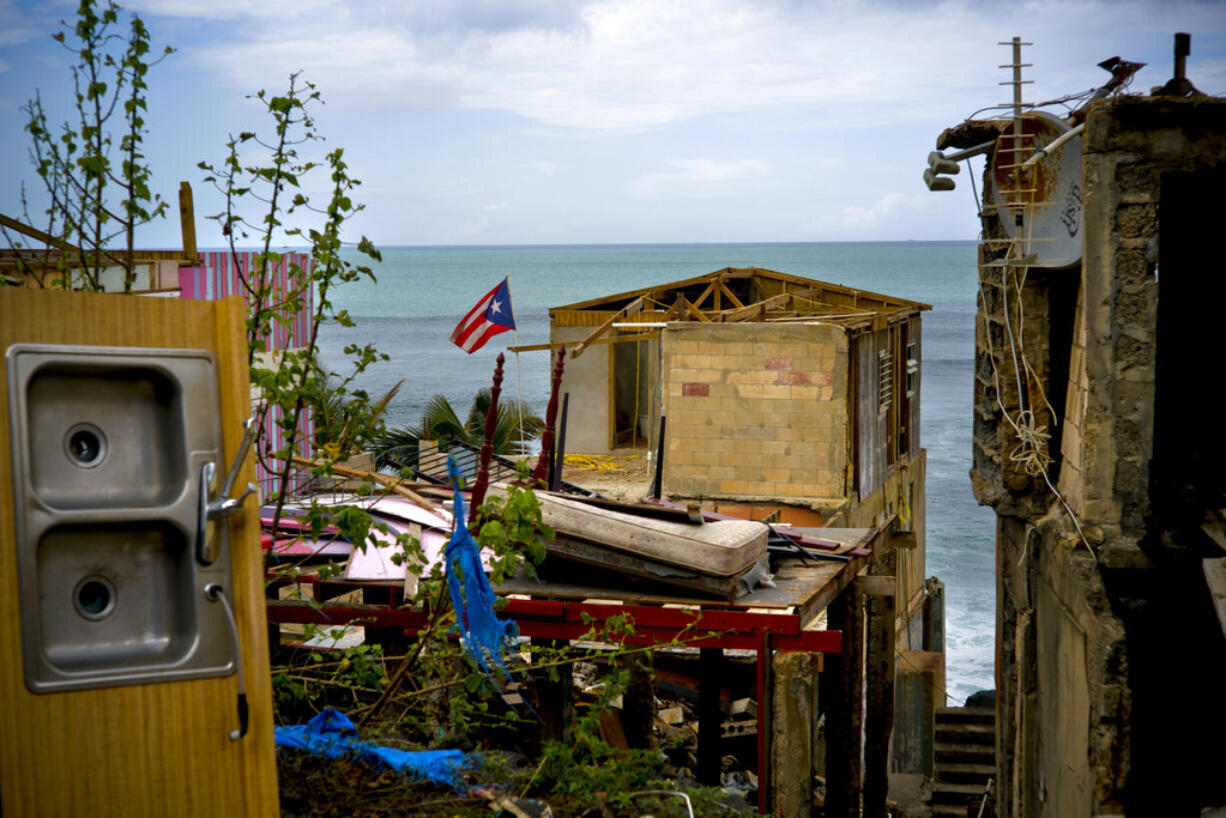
(519, 389)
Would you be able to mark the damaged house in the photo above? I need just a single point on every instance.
(774, 397)
(1097, 445)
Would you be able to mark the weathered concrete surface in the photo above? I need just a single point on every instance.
(793, 732)
(1108, 644)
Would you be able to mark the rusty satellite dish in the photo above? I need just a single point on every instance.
(1050, 227)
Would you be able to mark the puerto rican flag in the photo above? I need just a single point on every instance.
(491, 316)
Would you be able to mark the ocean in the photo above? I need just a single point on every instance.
(421, 292)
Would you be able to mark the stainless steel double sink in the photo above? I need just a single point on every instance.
(108, 445)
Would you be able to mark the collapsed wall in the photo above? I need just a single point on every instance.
(1109, 650)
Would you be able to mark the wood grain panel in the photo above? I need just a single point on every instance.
(151, 749)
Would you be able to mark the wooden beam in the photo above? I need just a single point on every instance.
(697, 314)
(901, 539)
(704, 294)
(924, 661)
(385, 480)
(877, 585)
(35, 233)
(614, 339)
(755, 309)
(879, 679)
(844, 707)
(631, 308)
(731, 295)
(187, 220)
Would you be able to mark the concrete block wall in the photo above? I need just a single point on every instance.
(755, 411)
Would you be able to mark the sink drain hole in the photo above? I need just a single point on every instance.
(94, 598)
(85, 445)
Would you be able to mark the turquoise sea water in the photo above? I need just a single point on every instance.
(422, 292)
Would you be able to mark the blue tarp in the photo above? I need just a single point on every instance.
(485, 635)
(332, 734)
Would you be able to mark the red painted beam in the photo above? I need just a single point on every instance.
(742, 636)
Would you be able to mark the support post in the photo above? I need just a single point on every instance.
(844, 697)
(638, 703)
(657, 480)
(709, 718)
(793, 737)
(879, 672)
(554, 697)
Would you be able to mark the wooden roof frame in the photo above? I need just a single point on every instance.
(822, 292)
(809, 300)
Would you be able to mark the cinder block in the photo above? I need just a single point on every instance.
(803, 393)
(775, 392)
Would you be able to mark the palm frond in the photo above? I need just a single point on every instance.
(440, 422)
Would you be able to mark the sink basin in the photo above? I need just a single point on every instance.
(105, 436)
(115, 596)
(107, 445)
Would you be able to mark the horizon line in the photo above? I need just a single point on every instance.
(539, 245)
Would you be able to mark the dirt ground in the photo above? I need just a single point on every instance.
(624, 475)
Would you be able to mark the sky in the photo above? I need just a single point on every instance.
(476, 122)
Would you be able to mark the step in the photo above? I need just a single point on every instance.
(965, 773)
(958, 753)
(948, 811)
(962, 714)
(946, 793)
(983, 741)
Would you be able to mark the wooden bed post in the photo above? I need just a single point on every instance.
(487, 442)
(540, 475)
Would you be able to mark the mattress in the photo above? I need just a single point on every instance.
(723, 548)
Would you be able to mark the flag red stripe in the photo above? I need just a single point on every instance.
(490, 332)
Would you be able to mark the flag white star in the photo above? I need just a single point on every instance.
(495, 307)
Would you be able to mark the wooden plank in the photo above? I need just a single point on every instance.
(843, 697)
(395, 484)
(869, 478)
(879, 675)
(693, 311)
(731, 295)
(877, 585)
(902, 539)
(915, 335)
(35, 233)
(187, 220)
(152, 749)
(924, 661)
(631, 308)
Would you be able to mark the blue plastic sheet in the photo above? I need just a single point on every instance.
(485, 635)
(331, 734)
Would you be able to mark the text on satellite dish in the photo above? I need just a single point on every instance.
(1070, 217)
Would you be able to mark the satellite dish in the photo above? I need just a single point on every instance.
(1053, 222)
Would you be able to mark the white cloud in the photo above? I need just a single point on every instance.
(231, 9)
(698, 177)
(496, 207)
(855, 217)
(630, 65)
(544, 167)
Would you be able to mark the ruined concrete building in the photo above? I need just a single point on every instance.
(1097, 441)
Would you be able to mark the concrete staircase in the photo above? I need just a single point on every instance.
(965, 758)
